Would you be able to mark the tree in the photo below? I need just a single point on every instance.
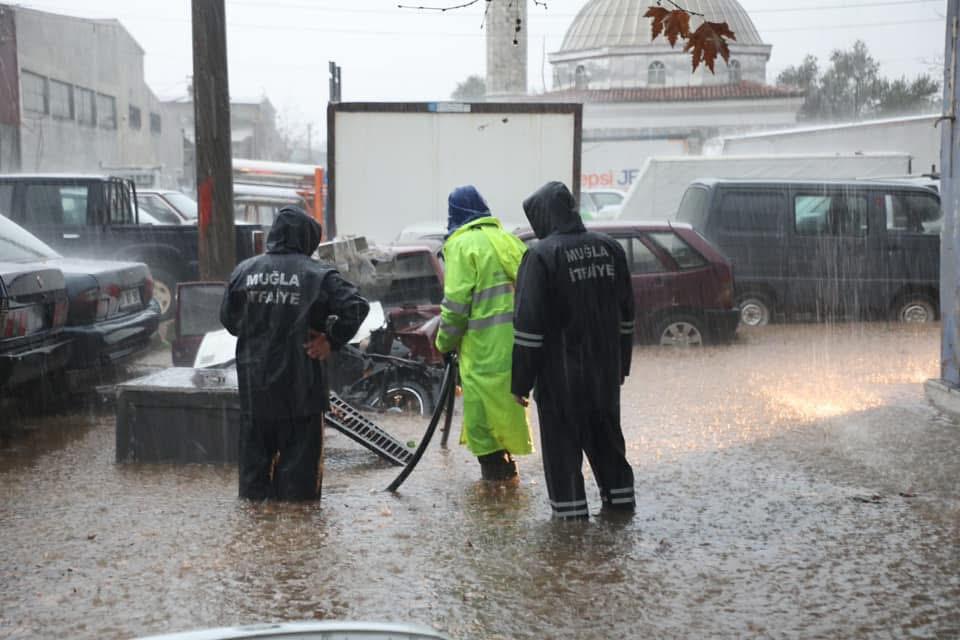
(473, 88)
(852, 88)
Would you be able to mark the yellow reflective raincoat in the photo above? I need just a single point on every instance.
(477, 318)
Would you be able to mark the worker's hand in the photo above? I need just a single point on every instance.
(522, 401)
(317, 346)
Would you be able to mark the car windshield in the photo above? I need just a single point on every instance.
(17, 245)
(186, 205)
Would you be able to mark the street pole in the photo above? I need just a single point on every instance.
(211, 105)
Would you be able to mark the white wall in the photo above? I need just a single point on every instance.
(393, 170)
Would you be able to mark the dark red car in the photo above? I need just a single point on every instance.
(682, 285)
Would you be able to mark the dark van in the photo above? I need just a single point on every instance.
(824, 249)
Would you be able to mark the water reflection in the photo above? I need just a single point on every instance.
(793, 483)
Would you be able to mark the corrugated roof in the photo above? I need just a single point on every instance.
(620, 23)
(676, 94)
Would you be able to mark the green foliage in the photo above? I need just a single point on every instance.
(473, 88)
(851, 88)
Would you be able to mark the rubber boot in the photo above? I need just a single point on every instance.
(497, 466)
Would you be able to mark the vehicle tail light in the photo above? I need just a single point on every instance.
(60, 311)
(89, 306)
(257, 242)
(15, 323)
(725, 296)
(148, 290)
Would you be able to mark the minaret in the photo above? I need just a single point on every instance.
(506, 48)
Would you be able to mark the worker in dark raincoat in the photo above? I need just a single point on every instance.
(280, 305)
(573, 328)
(481, 262)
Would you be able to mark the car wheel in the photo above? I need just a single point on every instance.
(164, 292)
(754, 311)
(409, 398)
(680, 331)
(915, 309)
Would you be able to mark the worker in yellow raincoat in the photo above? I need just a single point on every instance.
(481, 262)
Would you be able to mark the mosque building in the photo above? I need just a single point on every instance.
(641, 97)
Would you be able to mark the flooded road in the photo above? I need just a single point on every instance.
(795, 483)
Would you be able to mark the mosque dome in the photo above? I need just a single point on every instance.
(620, 23)
(608, 46)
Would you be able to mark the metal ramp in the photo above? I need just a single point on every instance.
(353, 424)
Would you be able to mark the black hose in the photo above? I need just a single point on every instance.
(451, 399)
(446, 392)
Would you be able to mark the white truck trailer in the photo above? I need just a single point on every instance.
(391, 166)
(656, 193)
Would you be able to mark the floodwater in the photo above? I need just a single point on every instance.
(795, 483)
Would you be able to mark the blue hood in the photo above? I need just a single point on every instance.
(465, 204)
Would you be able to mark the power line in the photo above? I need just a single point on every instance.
(481, 34)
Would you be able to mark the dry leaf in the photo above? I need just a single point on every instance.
(672, 24)
(708, 41)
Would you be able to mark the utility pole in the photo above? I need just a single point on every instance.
(211, 106)
(335, 83)
(310, 142)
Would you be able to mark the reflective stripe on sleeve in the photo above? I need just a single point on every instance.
(615, 492)
(455, 307)
(484, 323)
(451, 329)
(492, 292)
(626, 328)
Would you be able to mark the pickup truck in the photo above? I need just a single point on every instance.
(95, 216)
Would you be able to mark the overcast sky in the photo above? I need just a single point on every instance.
(280, 48)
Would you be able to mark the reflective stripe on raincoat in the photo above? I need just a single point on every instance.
(477, 318)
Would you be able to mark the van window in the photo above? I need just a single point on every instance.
(6, 199)
(639, 256)
(751, 212)
(686, 256)
(693, 207)
(913, 213)
(830, 214)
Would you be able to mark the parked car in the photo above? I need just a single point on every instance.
(600, 204)
(314, 630)
(91, 216)
(166, 206)
(824, 248)
(111, 313)
(33, 310)
(259, 204)
(683, 286)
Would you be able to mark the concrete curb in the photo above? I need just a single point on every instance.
(943, 396)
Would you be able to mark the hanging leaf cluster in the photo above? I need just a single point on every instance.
(708, 41)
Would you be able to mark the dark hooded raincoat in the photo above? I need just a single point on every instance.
(271, 302)
(573, 327)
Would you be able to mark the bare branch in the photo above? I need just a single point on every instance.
(452, 7)
(684, 9)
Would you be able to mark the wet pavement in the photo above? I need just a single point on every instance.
(793, 484)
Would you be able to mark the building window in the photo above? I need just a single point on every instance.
(156, 125)
(106, 111)
(580, 80)
(86, 106)
(134, 117)
(34, 89)
(61, 100)
(736, 73)
(656, 74)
